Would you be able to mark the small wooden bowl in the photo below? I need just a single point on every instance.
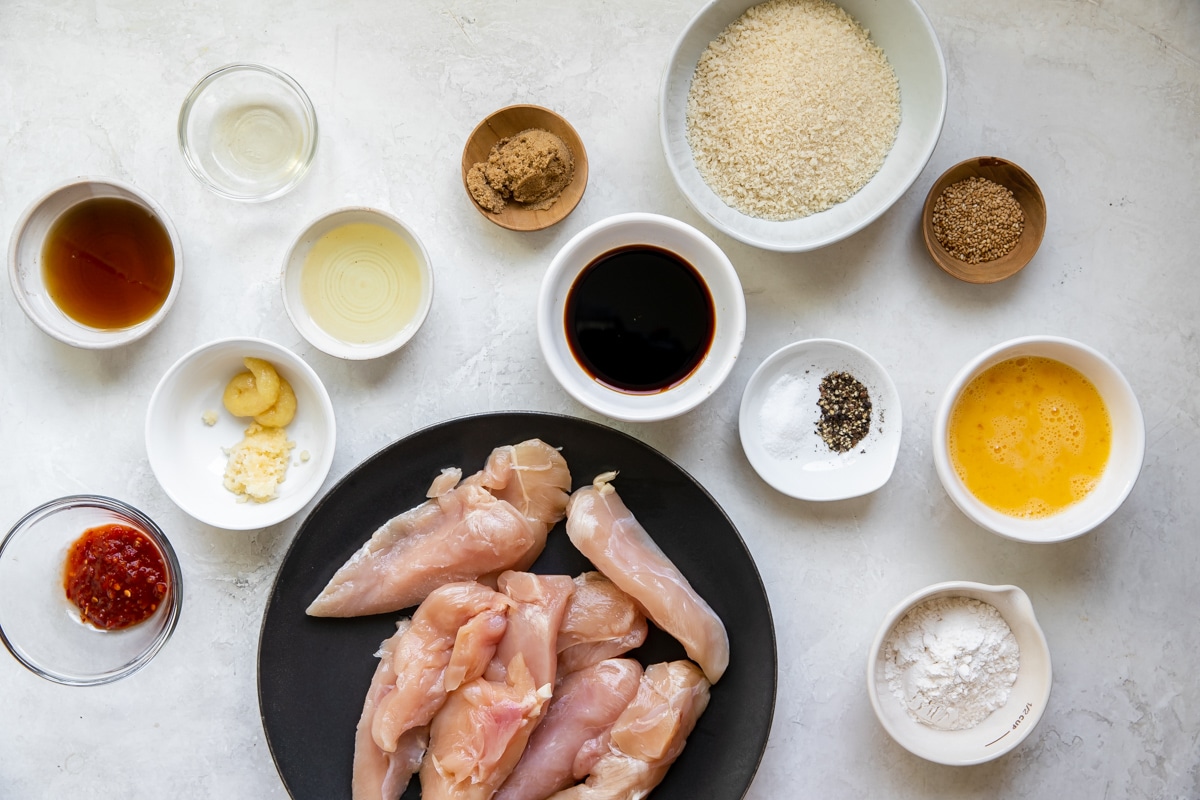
(1026, 192)
(510, 121)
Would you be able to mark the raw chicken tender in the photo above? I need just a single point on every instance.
(601, 622)
(584, 707)
(604, 530)
(648, 736)
(495, 520)
(478, 737)
(378, 775)
(453, 633)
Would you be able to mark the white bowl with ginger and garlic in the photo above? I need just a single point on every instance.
(240, 433)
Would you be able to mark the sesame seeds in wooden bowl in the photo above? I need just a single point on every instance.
(508, 123)
(969, 234)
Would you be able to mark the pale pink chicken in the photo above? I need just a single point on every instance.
(573, 733)
(601, 622)
(648, 736)
(451, 639)
(477, 738)
(603, 529)
(378, 775)
(495, 520)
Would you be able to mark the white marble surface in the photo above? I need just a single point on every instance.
(1099, 100)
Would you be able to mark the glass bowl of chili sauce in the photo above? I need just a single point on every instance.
(90, 590)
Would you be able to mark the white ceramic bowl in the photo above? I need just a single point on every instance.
(186, 454)
(25, 262)
(378, 276)
(1004, 728)
(248, 132)
(693, 247)
(779, 413)
(902, 30)
(1124, 461)
(42, 628)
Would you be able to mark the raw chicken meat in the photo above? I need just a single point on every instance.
(495, 520)
(583, 709)
(601, 622)
(604, 530)
(378, 775)
(453, 635)
(479, 735)
(648, 736)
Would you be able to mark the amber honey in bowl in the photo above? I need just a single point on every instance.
(108, 263)
(639, 319)
(1029, 436)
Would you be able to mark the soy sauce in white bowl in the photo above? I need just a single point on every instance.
(639, 319)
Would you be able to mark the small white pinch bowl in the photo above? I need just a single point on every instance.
(293, 269)
(708, 260)
(903, 31)
(186, 454)
(794, 459)
(25, 263)
(1124, 460)
(1004, 728)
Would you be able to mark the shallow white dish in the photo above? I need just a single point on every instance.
(25, 262)
(906, 36)
(789, 454)
(186, 454)
(1124, 461)
(293, 268)
(1007, 726)
(714, 268)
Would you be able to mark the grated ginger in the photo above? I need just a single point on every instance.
(258, 463)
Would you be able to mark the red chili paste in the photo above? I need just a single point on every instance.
(116, 576)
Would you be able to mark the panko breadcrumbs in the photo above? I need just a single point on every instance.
(792, 109)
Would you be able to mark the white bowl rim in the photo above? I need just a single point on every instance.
(845, 231)
(202, 174)
(731, 327)
(887, 388)
(329, 344)
(120, 336)
(1043, 530)
(322, 465)
(1030, 629)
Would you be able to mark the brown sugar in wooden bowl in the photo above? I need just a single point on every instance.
(1025, 191)
(510, 121)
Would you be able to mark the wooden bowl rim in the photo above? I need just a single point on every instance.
(515, 217)
(1033, 205)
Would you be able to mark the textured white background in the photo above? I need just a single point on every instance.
(1098, 100)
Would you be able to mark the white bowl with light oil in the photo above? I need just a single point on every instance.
(357, 283)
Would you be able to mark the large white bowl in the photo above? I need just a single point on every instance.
(25, 262)
(686, 242)
(1124, 460)
(187, 455)
(795, 460)
(293, 270)
(902, 30)
(1004, 728)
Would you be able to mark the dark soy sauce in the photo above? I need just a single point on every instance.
(639, 319)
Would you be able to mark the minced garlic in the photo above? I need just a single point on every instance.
(258, 463)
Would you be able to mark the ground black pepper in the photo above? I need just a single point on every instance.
(845, 411)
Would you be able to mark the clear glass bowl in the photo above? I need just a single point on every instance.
(42, 628)
(248, 132)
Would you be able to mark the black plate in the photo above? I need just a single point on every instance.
(313, 673)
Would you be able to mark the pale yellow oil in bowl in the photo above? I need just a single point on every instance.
(1030, 436)
(361, 283)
